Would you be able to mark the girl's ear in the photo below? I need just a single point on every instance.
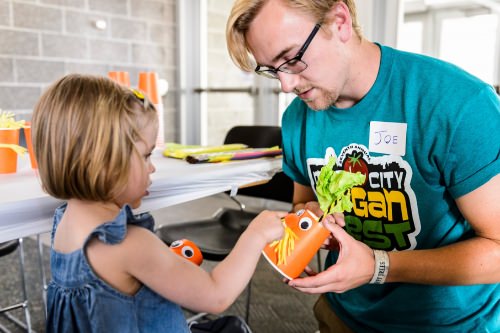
(339, 21)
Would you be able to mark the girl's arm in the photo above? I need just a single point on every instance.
(150, 261)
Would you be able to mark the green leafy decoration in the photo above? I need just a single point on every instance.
(334, 188)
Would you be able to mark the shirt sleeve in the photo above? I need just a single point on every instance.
(474, 155)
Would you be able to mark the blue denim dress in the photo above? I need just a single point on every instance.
(79, 301)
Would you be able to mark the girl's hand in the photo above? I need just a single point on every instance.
(268, 224)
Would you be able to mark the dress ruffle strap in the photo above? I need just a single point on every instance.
(114, 232)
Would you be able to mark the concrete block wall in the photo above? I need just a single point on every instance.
(42, 40)
(224, 110)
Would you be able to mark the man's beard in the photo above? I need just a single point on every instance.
(323, 101)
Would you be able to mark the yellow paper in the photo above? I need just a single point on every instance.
(7, 121)
(17, 149)
(182, 151)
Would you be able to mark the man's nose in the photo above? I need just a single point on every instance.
(288, 81)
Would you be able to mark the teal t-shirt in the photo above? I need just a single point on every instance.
(425, 134)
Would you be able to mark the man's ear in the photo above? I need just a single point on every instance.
(339, 20)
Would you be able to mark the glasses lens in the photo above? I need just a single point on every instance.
(293, 66)
(267, 73)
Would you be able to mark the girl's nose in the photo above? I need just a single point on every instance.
(288, 81)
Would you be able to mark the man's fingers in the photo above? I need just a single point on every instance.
(315, 290)
(339, 219)
(320, 283)
(338, 233)
(309, 271)
(336, 218)
(313, 281)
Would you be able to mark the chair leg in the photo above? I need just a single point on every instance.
(196, 317)
(17, 322)
(240, 204)
(247, 314)
(4, 329)
(23, 282)
(24, 304)
(43, 275)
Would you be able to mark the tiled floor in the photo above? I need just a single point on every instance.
(275, 307)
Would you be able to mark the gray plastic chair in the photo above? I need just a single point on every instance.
(7, 248)
(216, 235)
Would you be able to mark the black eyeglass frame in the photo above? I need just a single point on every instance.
(271, 72)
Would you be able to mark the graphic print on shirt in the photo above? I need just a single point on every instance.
(385, 214)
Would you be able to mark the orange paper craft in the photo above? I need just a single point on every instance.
(305, 237)
(188, 250)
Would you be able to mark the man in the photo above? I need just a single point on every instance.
(420, 251)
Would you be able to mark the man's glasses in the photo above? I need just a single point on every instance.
(292, 66)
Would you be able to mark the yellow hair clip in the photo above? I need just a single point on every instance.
(138, 94)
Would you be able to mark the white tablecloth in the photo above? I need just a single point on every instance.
(26, 210)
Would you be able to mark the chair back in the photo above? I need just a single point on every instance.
(256, 136)
(8, 247)
(280, 187)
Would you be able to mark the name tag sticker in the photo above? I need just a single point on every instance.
(388, 138)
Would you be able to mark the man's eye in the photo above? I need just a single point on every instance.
(291, 62)
(267, 69)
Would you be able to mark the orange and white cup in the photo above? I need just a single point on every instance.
(121, 77)
(8, 156)
(307, 233)
(188, 250)
(29, 144)
(148, 83)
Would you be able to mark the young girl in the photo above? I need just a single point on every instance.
(110, 273)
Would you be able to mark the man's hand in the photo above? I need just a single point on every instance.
(355, 266)
(336, 218)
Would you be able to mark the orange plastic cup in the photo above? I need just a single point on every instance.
(8, 157)
(27, 135)
(310, 236)
(188, 250)
(122, 78)
(148, 83)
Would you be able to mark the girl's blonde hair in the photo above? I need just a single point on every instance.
(245, 11)
(84, 130)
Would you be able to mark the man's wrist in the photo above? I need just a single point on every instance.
(381, 267)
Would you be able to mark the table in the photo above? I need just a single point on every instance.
(26, 210)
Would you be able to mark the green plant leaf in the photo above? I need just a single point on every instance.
(334, 188)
